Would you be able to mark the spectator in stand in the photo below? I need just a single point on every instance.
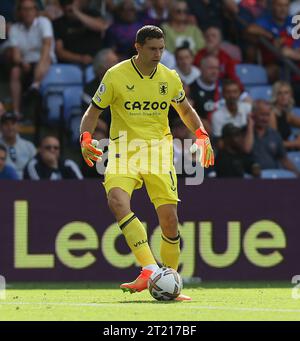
(213, 38)
(294, 8)
(204, 91)
(112, 5)
(282, 118)
(255, 8)
(78, 33)
(249, 12)
(234, 111)
(120, 36)
(168, 59)
(231, 160)
(32, 51)
(19, 150)
(184, 65)
(6, 172)
(103, 61)
(211, 12)
(158, 12)
(267, 145)
(52, 9)
(47, 165)
(178, 31)
(277, 28)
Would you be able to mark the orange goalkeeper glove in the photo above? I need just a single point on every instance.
(203, 144)
(88, 149)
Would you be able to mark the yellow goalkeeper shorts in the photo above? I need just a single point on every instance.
(152, 165)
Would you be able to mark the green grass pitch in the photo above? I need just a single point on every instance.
(105, 302)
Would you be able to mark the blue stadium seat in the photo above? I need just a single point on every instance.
(57, 79)
(72, 110)
(72, 101)
(260, 92)
(60, 76)
(295, 158)
(252, 74)
(294, 134)
(73, 128)
(296, 111)
(277, 174)
(295, 130)
(89, 74)
(53, 102)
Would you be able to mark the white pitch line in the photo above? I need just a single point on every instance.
(247, 309)
(190, 306)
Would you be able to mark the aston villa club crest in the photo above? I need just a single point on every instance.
(163, 88)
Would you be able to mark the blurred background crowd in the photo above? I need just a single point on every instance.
(239, 61)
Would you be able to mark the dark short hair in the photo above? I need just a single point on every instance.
(206, 57)
(183, 48)
(230, 130)
(148, 32)
(45, 137)
(20, 3)
(216, 27)
(228, 82)
(258, 103)
(3, 148)
(65, 2)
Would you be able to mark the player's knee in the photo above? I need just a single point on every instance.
(116, 204)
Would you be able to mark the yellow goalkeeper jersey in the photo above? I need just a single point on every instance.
(139, 104)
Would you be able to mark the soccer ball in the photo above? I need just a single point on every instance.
(165, 284)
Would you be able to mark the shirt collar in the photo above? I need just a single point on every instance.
(139, 72)
(34, 23)
(204, 86)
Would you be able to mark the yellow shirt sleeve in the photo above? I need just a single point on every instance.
(104, 95)
(179, 94)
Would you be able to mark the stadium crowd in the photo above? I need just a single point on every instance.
(238, 61)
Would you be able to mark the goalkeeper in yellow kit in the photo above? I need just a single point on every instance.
(139, 92)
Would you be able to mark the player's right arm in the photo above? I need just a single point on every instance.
(90, 119)
(87, 127)
(102, 99)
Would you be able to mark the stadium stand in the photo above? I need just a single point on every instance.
(251, 74)
(295, 158)
(277, 174)
(72, 110)
(57, 79)
(296, 111)
(62, 88)
(89, 74)
(260, 92)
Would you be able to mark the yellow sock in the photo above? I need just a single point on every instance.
(170, 251)
(136, 237)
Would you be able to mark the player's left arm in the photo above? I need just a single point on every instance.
(192, 121)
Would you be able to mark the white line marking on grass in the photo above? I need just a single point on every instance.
(247, 309)
(190, 306)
